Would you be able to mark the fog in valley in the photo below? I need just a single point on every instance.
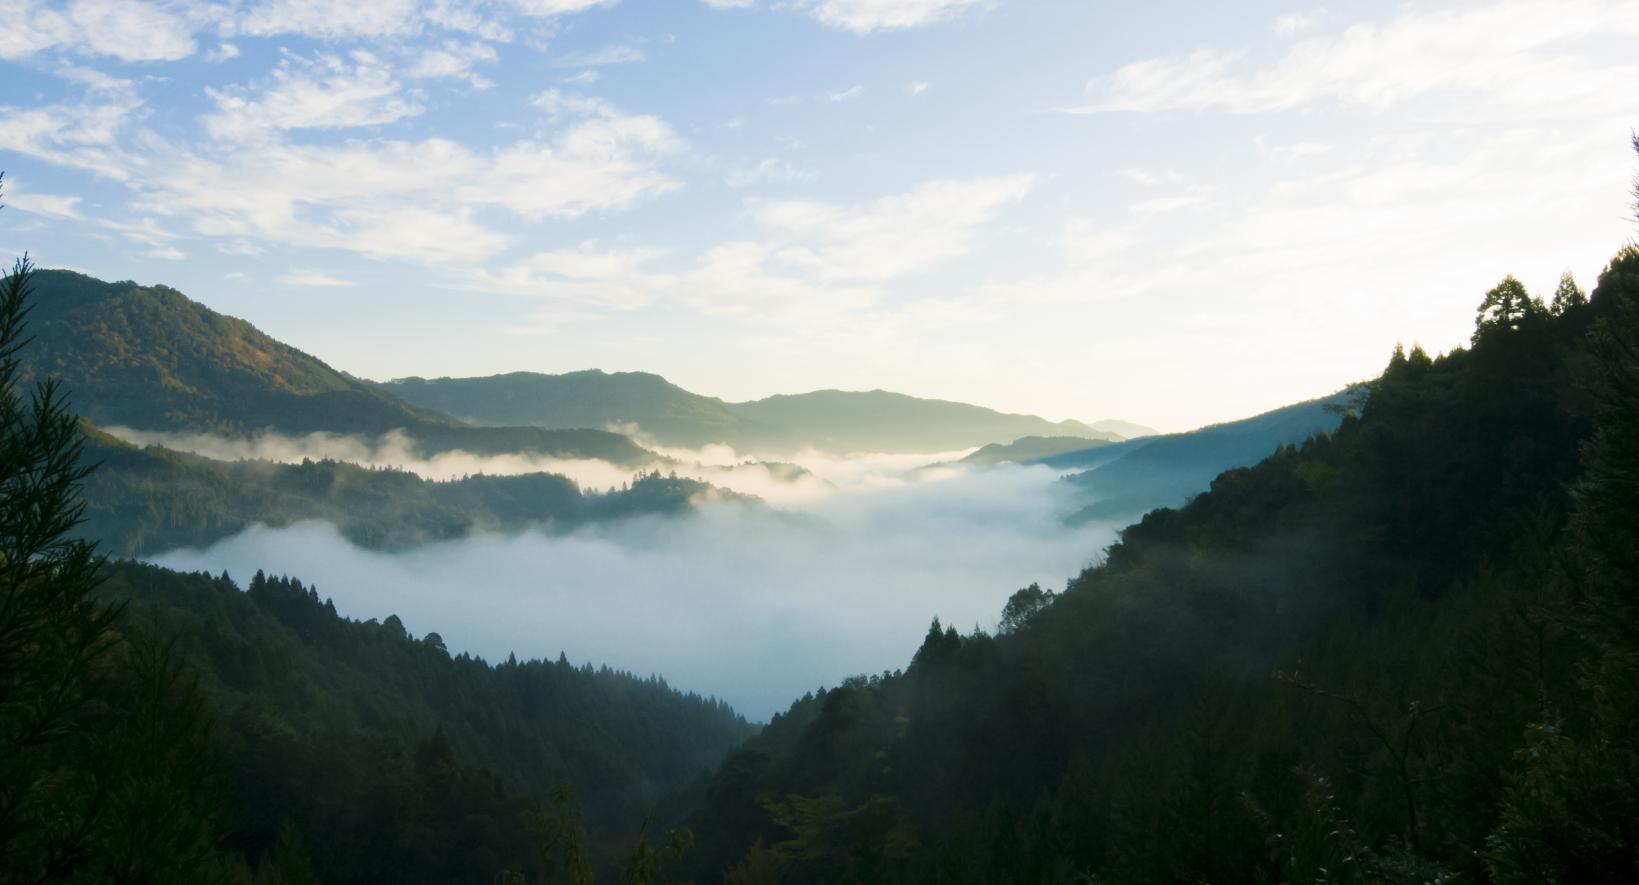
(755, 604)
(779, 479)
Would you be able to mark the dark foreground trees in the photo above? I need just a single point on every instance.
(265, 739)
(103, 774)
(1404, 652)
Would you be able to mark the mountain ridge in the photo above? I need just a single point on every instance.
(151, 358)
(832, 420)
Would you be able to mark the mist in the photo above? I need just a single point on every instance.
(781, 480)
(752, 604)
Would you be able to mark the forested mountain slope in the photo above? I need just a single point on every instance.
(1401, 652)
(151, 358)
(376, 756)
(160, 727)
(664, 411)
(1030, 448)
(1127, 479)
(142, 501)
(833, 421)
(880, 421)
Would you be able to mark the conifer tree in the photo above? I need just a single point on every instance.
(102, 760)
(1506, 307)
(1568, 296)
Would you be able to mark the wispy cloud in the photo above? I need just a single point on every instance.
(455, 59)
(619, 54)
(866, 16)
(819, 262)
(58, 206)
(869, 16)
(314, 278)
(324, 93)
(892, 236)
(129, 30)
(376, 198)
(1503, 56)
(768, 170)
(1294, 23)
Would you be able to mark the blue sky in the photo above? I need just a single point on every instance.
(1174, 213)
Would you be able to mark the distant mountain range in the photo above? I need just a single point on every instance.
(1128, 479)
(1122, 480)
(832, 421)
(879, 421)
(1031, 449)
(593, 398)
(150, 358)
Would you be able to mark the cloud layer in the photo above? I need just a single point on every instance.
(751, 606)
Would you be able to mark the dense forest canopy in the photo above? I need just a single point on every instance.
(1403, 650)
(142, 501)
(1399, 652)
(161, 727)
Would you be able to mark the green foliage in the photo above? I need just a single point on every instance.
(1131, 478)
(150, 358)
(1636, 181)
(102, 772)
(1023, 605)
(1376, 656)
(1507, 308)
(149, 500)
(1571, 812)
(388, 759)
(1568, 296)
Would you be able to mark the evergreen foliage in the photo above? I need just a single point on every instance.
(148, 357)
(1403, 651)
(144, 501)
(102, 770)
(365, 754)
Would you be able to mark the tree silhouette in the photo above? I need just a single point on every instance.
(1505, 308)
(1569, 295)
(102, 767)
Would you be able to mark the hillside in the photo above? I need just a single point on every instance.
(1128, 479)
(880, 421)
(376, 756)
(1031, 448)
(1399, 652)
(833, 421)
(668, 413)
(1123, 429)
(142, 501)
(148, 357)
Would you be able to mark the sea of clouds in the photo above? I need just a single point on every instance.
(840, 575)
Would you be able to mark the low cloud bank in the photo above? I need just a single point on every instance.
(753, 606)
(771, 479)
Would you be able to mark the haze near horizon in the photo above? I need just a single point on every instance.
(1167, 214)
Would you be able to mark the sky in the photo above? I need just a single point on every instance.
(1172, 213)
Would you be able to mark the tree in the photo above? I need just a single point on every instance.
(1568, 296)
(102, 769)
(1024, 604)
(1636, 180)
(1506, 307)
